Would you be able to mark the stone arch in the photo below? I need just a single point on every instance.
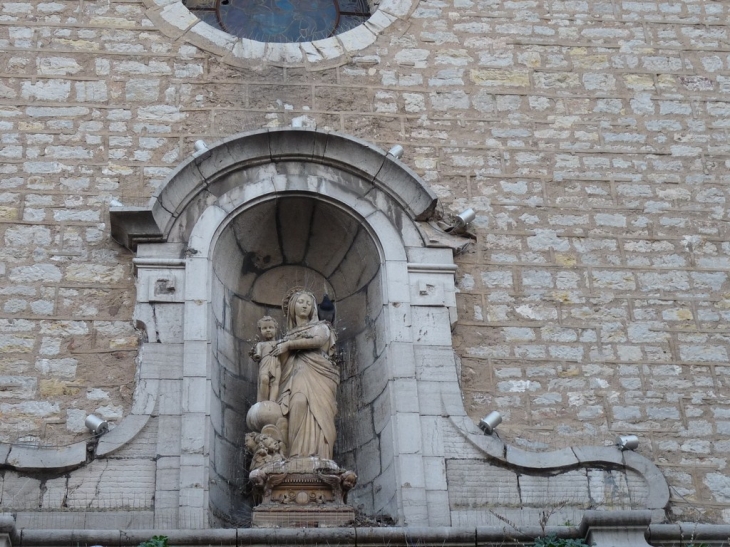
(202, 249)
(207, 174)
(175, 21)
(364, 295)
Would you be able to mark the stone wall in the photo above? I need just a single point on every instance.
(590, 138)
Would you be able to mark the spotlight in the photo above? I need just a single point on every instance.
(490, 422)
(200, 146)
(463, 219)
(96, 425)
(627, 442)
(396, 151)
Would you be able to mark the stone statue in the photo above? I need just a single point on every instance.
(295, 482)
(309, 378)
(269, 364)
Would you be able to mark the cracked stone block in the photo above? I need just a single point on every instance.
(105, 484)
(570, 488)
(20, 492)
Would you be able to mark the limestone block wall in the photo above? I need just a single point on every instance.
(590, 138)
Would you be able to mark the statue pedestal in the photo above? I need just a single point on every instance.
(302, 492)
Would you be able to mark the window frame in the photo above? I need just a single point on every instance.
(199, 7)
(176, 21)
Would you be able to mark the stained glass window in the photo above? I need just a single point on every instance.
(281, 20)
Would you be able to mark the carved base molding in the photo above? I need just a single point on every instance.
(302, 493)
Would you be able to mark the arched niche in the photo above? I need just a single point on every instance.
(218, 246)
(286, 241)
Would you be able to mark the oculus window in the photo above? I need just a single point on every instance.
(281, 20)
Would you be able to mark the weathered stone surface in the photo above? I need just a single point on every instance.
(20, 491)
(102, 482)
(593, 298)
(571, 488)
(471, 487)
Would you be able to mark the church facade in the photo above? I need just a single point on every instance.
(164, 184)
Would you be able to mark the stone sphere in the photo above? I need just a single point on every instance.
(263, 413)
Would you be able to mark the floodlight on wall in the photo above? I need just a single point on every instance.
(200, 146)
(396, 151)
(463, 219)
(490, 422)
(627, 442)
(96, 425)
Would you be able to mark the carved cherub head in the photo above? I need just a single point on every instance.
(348, 480)
(267, 327)
(271, 444)
(250, 442)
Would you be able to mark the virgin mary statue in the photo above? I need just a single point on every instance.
(309, 378)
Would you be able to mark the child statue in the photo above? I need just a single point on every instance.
(269, 365)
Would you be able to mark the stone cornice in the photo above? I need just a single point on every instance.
(202, 170)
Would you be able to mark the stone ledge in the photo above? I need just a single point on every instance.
(610, 525)
(616, 528)
(541, 460)
(688, 531)
(27, 458)
(617, 519)
(133, 225)
(127, 430)
(570, 458)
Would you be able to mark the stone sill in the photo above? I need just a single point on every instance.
(636, 523)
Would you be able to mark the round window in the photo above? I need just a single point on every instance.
(281, 20)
